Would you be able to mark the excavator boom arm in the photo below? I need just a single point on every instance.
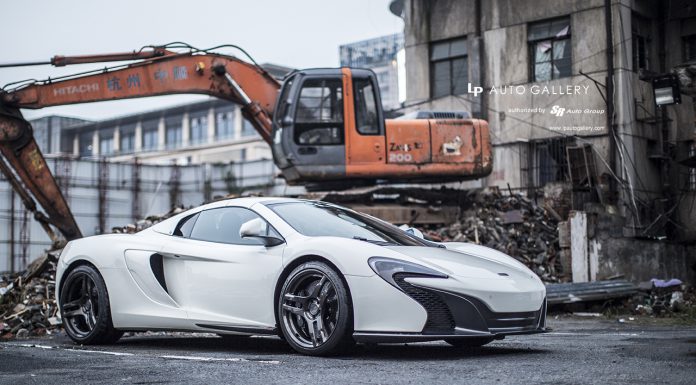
(159, 72)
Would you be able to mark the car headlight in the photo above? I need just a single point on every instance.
(387, 267)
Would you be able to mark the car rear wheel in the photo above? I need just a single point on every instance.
(85, 308)
(468, 342)
(314, 310)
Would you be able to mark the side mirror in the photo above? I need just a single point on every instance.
(257, 228)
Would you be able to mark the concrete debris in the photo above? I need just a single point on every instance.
(662, 298)
(513, 224)
(27, 303)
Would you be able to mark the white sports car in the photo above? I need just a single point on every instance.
(319, 275)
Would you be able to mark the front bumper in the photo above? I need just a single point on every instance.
(455, 315)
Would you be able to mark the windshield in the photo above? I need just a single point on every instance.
(315, 219)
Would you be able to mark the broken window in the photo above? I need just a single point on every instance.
(549, 49)
(547, 161)
(449, 68)
(640, 34)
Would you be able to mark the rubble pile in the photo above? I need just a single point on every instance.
(512, 224)
(663, 298)
(27, 300)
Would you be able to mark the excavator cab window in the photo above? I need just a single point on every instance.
(366, 110)
(319, 113)
(283, 103)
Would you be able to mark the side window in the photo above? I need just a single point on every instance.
(319, 114)
(183, 229)
(222, 225)
(366, 112)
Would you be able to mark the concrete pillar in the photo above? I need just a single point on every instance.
(578, 246)
(117, 140)
(211, 125)
(161, 134)
(76, 145)
(138, 136)
(95, 143)
(185, 130)
(238, 121)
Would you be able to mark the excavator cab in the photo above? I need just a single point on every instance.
(329, 124)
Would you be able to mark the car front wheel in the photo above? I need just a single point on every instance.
(314, 310)
(85, 308)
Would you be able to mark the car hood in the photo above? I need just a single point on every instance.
(468, 261)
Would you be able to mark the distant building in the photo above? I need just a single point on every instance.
(48, 133)
(379, 55)
(203, 132)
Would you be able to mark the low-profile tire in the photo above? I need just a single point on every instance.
(314, 310)
(84, 308)
(472, 342)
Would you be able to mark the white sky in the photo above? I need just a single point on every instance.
(299, 34)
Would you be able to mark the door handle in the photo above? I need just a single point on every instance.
(307, 150)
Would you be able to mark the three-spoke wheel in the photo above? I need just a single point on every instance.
(314, 310)
(85, 307)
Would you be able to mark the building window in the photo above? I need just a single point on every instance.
(549, 49)
(173, 134)
(689, 48)
(127, 139)
(199, 129)
(150, 135)
(224, 124)
(640, 36)
(319, 113)
(449, 67)
(248, 128)
(106, 146)
(547, 161)
(86, 144)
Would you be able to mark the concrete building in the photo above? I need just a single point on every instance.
(542, 69)
(379, 55)
(48, 132)
(204, 132)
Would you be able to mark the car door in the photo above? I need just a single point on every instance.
(222, 280)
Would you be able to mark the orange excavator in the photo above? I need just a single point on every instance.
(323, 125)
